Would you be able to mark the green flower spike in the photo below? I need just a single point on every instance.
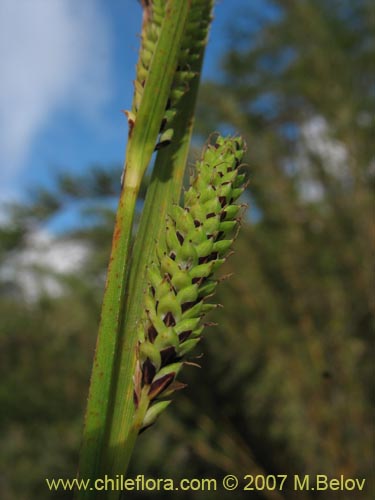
(195, 37)
(197, 241)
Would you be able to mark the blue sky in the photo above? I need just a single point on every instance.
(67, 69)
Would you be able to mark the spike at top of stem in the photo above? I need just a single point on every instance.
(194, 36)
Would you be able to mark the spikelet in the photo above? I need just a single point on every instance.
(197, 240)
(153, 13)
(195, 36)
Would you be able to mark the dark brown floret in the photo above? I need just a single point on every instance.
(168, 355)
(184, 335)
(212, 256)
(180, 237)
(201, 260)
(169, 319)
(160, 385)
(148, 372)
(187, 305)
(152, 333)
(197, 279)
(223, 201)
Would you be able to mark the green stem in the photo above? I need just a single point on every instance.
(140, 147)
(97, 406)
(110, 430)
(164, 189)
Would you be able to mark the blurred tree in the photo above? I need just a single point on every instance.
(47, 340)
(288, 373)
(295, 337)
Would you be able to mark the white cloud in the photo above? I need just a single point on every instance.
(53, 53)
(36, 269)
(316, 139)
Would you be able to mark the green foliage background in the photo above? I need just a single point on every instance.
(286, 382)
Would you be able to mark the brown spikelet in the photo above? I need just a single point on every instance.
(160, 385)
